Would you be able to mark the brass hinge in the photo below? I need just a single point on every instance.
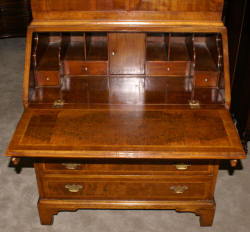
(194, 104)
(58, 103)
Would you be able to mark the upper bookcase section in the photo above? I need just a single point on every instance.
(178, 10)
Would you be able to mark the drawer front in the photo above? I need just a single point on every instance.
(85, 68)
(129, 167)
(206, 79)
(168, 68)
(128, 189)
(48, 78)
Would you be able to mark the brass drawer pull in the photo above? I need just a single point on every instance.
(182, 166)
(179, 189)
(194, 104)
(58, 103)
(74, 188)
(85, 69)
(70, 166)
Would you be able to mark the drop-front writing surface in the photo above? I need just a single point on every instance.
(143, 133)
(126, 105)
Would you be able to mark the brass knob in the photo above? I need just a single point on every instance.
(73, 188)
(206, 80)
(233, 163)
(15, 160)
(85, 69)
(113, 53)
(182, 166)
(179, 189)
(58, 103)
(168, 69)
(47, 78)
(70, 166)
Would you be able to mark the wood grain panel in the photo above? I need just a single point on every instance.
(89, 5)
(85, 67)
(127, 167)
(126, 90)
(49, 208)
(48, 78)
(168, 68)
(128, 188)
(206, 79)
(138, 5)
(177, 9)
(127, 53)
(126, 133)
(178, 5)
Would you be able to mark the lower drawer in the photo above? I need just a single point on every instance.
(128, 189)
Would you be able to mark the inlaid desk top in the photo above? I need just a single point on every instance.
(126, 132)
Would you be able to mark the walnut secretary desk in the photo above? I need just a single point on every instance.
(126, 105)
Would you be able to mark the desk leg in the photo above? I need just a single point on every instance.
(206, 212)
(206, 217)
(46, 214)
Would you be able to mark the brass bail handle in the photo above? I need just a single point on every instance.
(179, 189)
(73, 188)
(71, 166)
(182, 166)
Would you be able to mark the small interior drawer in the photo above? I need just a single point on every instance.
(48, 78)
(128, 188)
(76, 67)
(128, 167)
(206, 78)
(168, 68)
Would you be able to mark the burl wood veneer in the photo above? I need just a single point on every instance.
(126, 105)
